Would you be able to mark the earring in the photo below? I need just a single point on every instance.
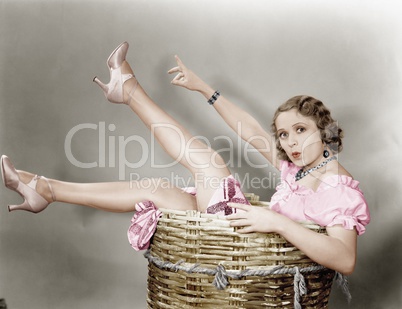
(325, 153)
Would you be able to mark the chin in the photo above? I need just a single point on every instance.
(298, 162)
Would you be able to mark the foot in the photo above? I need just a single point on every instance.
(42, 187)
(123, 83)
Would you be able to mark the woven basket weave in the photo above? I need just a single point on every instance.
(192, 253)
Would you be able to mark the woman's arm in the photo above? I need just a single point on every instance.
(246, 126)
(337, 250)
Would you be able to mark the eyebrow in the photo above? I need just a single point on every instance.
(297, 123)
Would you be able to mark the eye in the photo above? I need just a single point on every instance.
(282, 135)
(300, 130)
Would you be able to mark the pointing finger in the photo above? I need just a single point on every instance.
(179, 62)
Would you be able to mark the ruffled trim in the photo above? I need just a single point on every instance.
(351, 222)
(289, 170)
(350, 212)
(143, 225)
(301, 203)
(335, 180)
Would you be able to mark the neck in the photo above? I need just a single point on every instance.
(316, 162)
(304, 172)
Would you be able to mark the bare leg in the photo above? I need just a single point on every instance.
(114, 196)
(206, 166)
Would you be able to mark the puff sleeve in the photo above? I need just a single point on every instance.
(345, 205)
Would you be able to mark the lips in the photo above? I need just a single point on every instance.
(296, 154)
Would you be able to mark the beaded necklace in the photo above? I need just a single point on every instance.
(300, 174)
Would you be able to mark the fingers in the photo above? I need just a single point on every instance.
(179, 62)
(245, 230)
(180, 77)
(246, 226)
(240, 206)
(241, 222)
(179, 68)
(241, 219)
(179, 80)
(236, 216)
(174, 70)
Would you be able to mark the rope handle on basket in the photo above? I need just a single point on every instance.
(221, 280)
(299, 287)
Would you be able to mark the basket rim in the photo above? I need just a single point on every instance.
(203, 216)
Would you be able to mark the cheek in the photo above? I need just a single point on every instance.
(311, 141)
(282, 144)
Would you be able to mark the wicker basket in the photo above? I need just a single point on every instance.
(198, 260)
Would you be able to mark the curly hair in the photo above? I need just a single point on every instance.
(331, 133)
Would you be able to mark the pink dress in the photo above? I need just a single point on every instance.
(337, 201)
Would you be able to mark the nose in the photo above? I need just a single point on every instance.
(292, 141)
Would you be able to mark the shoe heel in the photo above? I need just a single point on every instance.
(23, 206)
(104, 87)
(114, 91)
(33, 201)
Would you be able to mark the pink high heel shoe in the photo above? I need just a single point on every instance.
(114, 91)
(33, 201)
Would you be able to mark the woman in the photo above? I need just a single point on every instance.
(314, 185)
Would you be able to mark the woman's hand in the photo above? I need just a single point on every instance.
(188, 79)
(337, 250)
(255, 219)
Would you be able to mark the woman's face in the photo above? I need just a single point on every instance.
(300, 138)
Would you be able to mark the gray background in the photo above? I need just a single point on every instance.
(258, 53)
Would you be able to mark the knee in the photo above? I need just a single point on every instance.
(217, 161)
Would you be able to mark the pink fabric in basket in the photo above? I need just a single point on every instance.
(145, 219)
